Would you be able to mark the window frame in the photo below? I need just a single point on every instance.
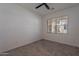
(56, 19)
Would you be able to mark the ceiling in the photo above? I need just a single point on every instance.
(42, 11)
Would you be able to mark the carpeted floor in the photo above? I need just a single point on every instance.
(44, 48)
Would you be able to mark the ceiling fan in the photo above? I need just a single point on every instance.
(43, 4)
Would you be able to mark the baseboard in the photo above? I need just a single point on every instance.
(62, 43)
(20, 46)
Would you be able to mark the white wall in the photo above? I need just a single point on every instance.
(72, 37)
(17, 27)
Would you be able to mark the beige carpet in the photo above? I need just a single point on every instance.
(44, 48)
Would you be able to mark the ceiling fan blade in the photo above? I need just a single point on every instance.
(46, 6)
(40, 5)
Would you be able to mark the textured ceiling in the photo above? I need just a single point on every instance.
(42, 11)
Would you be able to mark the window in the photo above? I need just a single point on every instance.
(58, 25)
